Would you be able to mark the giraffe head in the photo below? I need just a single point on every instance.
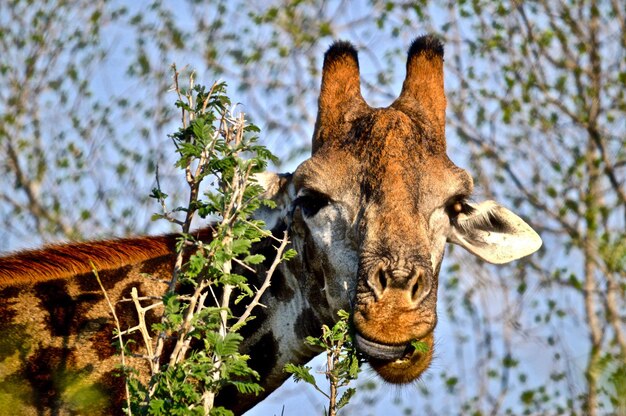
(371, 210)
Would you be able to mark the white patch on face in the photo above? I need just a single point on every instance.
(331, 230)
(282, 321)
(438, 225)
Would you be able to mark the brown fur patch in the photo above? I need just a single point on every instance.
(65, 260)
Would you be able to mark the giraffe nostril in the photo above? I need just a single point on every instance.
(382, 280)
(415, 290)
(378, 282)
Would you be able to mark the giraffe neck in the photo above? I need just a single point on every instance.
(63, 323)
(277, 335)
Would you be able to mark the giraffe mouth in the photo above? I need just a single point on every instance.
(397, 364)
(383, 352)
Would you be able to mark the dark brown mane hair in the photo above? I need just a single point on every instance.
(61, 261)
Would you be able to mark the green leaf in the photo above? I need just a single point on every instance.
(343, 314)
(196, 264)
(158, 194)
(420, 346)
(345, 397)
(451, 382)
(247, 388)
(289, 254)
(300, 373)
(155, 217)
(527, 397)
(254, 259)
(509, 362)
(241, 246)
(220, 411)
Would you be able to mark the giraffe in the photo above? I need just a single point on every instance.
(369, 214)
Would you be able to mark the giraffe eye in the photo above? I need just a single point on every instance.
(456, 207)
(311, 202)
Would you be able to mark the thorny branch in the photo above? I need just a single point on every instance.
(229, 133)
(266, 283)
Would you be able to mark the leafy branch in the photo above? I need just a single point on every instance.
(197, 324)
(342, 363)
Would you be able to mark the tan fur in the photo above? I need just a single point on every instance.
(340, 93)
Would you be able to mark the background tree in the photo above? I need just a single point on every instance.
(69, 168)
(540, 103)
(536, 112)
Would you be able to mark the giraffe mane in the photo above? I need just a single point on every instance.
(61, 261)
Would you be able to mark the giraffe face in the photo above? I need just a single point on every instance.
(372, 221)
(371, 210)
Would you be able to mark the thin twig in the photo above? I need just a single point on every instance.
(143, 330)
(266, 283)
(119, 334)
(176, 356)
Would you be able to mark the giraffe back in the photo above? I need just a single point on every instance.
(57, 352)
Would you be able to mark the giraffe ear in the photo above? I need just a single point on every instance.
(279, 189)
(494, 233)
